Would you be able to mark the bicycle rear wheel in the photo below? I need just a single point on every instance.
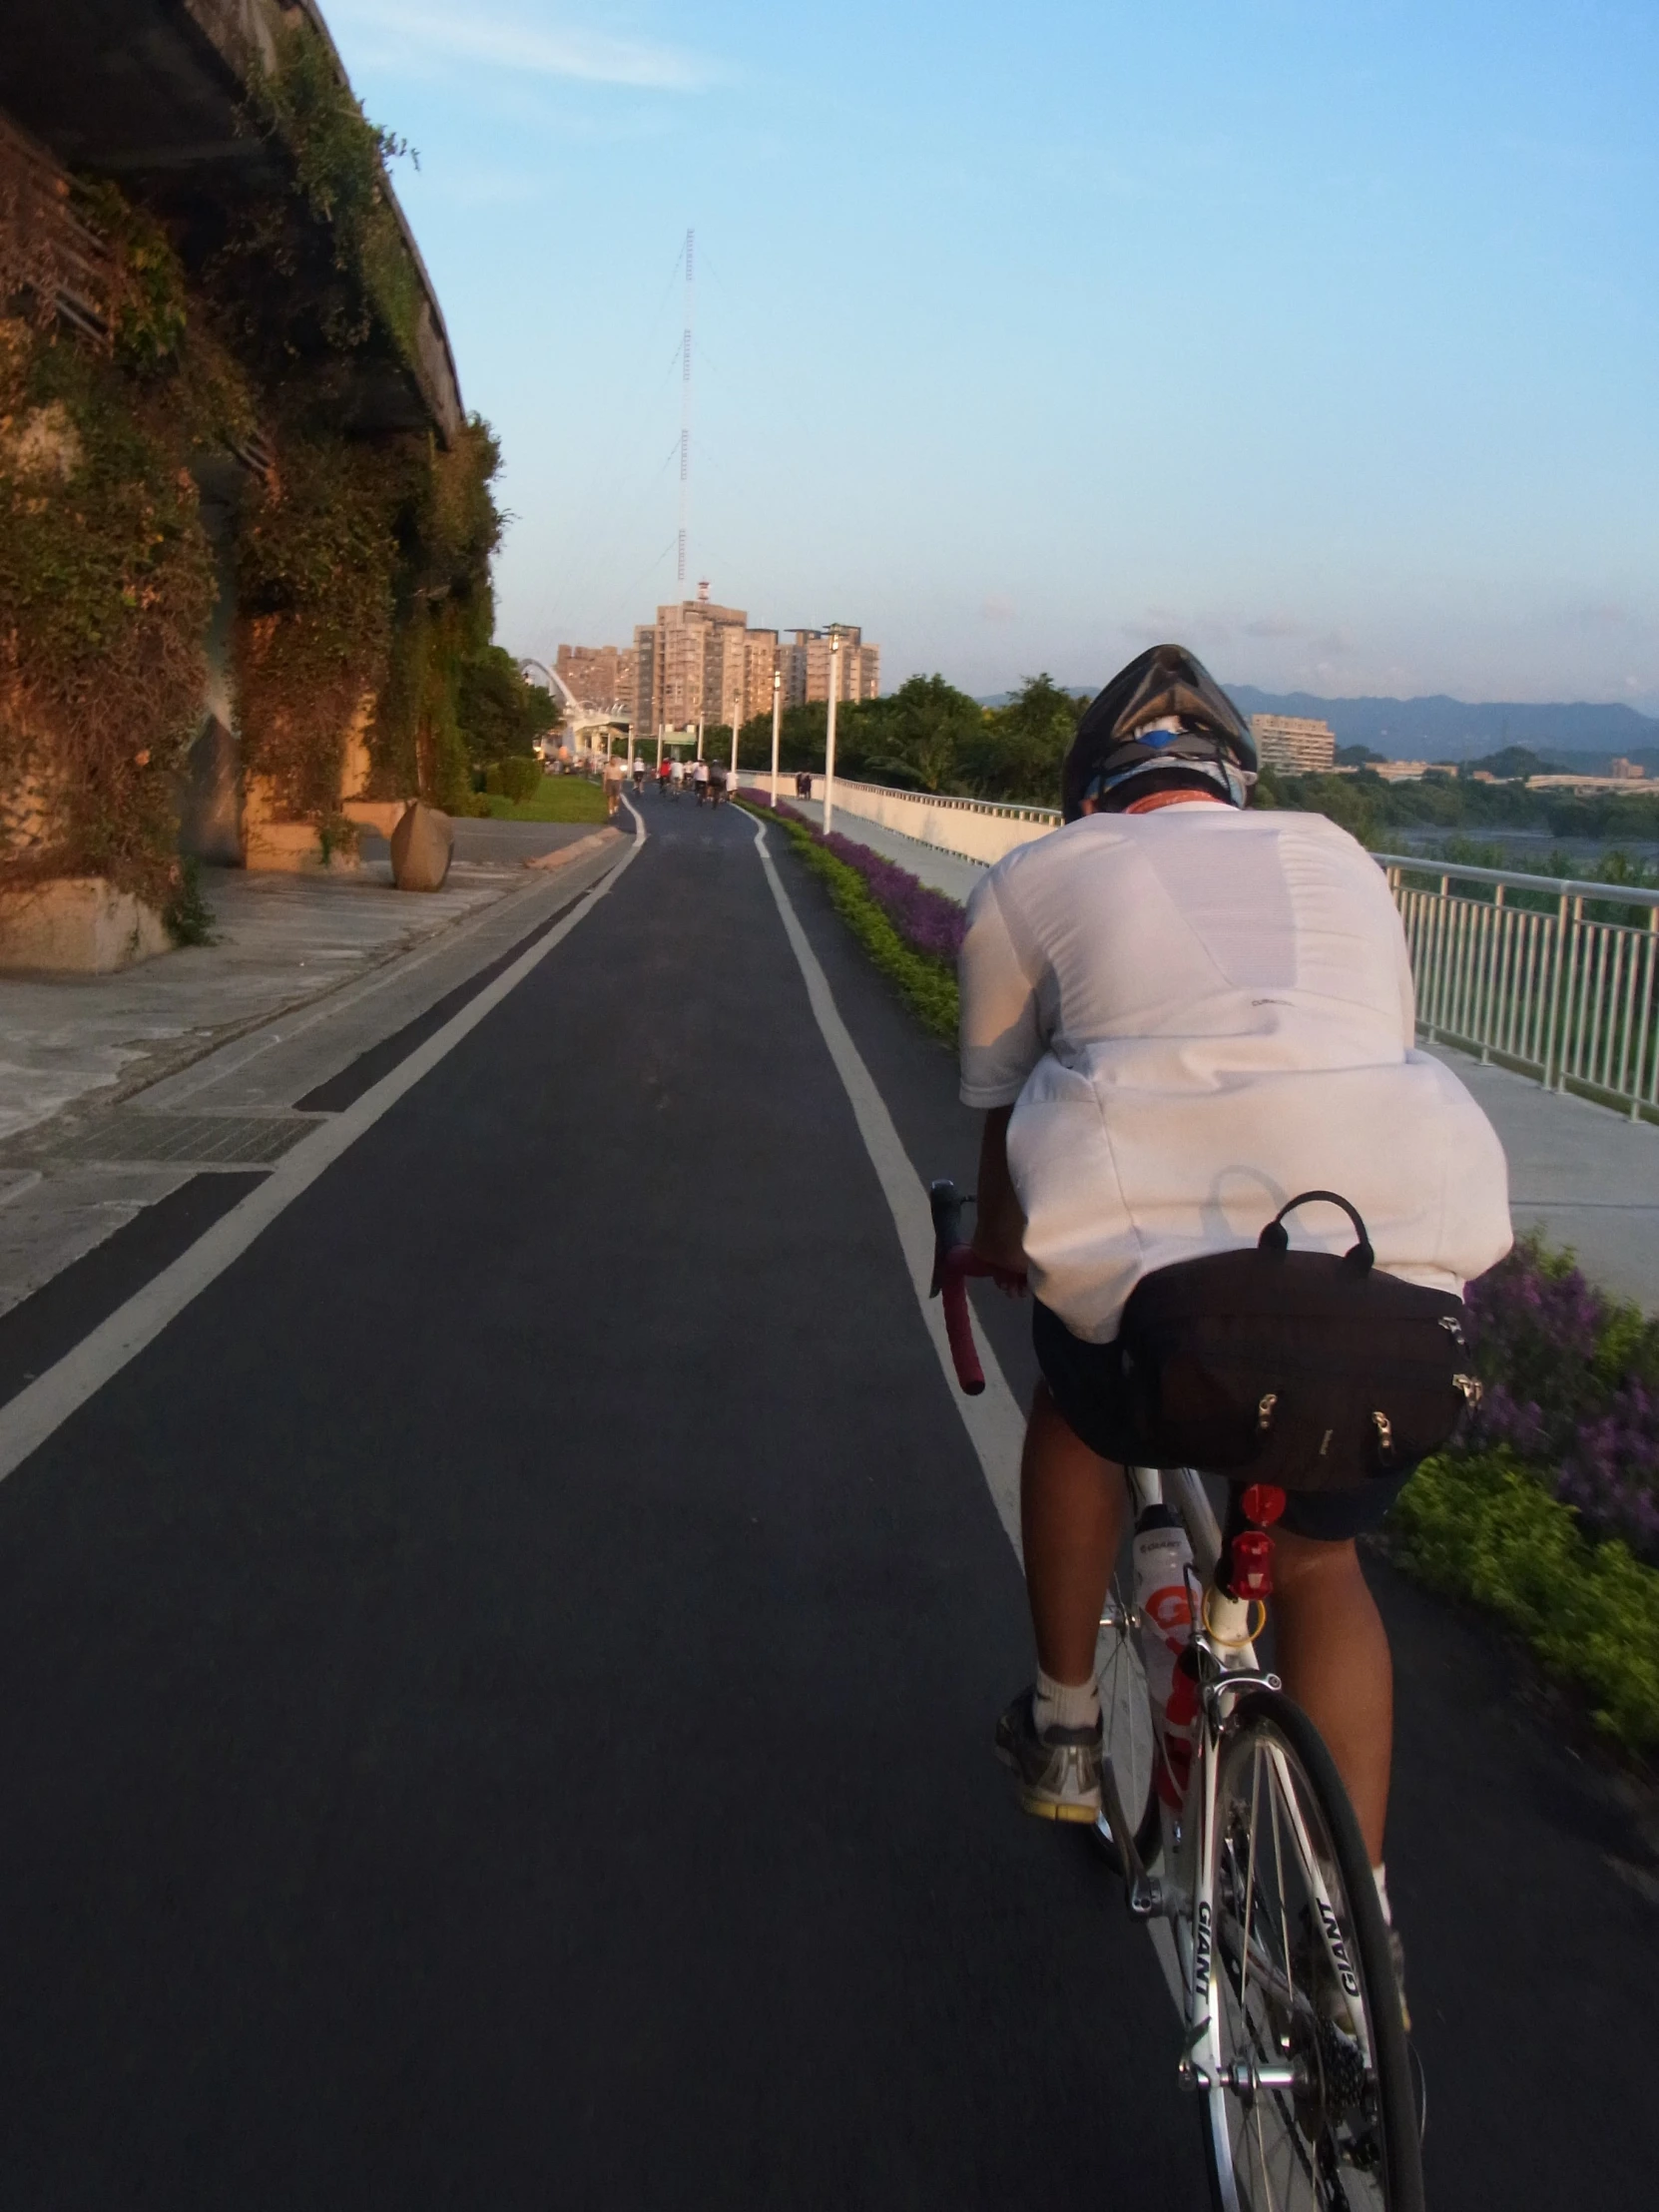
(1314, 2110)
(1126, 1726)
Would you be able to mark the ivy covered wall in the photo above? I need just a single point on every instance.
(131, 363)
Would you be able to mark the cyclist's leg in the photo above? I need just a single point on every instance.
(1071, 1508)
(1332, 1653)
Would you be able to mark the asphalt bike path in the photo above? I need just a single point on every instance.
(499, 1690)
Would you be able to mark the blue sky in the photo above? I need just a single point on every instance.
(1322, 335)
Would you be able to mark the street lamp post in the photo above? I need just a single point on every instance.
(777, 718)
(736, 709)
(829, 734)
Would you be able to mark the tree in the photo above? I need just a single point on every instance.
(1512, 765)
(918, 737)
(1023, 746)
(501, 714)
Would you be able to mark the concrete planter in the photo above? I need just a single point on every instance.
(77, 925)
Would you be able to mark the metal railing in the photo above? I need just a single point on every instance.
(1554, 978)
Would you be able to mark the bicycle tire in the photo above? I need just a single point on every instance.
(1346, 2139)
(1126, 1729)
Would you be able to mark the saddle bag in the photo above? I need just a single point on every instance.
(1300, 1368)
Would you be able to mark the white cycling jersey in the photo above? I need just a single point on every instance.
(1196, 1013)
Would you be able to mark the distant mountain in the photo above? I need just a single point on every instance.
(1442, 728)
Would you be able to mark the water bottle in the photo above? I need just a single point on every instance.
(1163, 1599)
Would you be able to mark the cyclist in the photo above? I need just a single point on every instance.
(1177, 1014)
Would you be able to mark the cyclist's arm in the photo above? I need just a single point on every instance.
(999, 1220)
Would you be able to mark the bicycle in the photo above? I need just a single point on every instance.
(1293, 2035)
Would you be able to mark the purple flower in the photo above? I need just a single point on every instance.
(927, 920)
(1560, 1364)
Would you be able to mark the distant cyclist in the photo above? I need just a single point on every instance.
(1177, 1014)
(675, 776)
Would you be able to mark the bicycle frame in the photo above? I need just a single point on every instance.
(1187, 1896)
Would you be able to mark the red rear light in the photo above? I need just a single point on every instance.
(1263, 1503)
(1250, 1566)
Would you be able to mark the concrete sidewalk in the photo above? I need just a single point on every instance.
(117, 1091)
(1582, 1175)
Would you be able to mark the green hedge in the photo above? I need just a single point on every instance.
(1484, 1527)
(928, 986)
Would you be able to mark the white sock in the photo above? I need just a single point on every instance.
(1065, 1704)
(1379, 1875)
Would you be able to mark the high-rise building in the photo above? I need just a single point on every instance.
(600, 676)
(806, 666)
(699, 661)
(1291, 742)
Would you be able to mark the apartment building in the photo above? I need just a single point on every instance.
(700, 662)
(804, 664)
(600, 676)
(1293, 744)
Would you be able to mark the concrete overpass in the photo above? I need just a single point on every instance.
(154, 95)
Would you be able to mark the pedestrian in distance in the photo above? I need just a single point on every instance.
(613, 786)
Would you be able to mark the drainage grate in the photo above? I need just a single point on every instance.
(129, 1137)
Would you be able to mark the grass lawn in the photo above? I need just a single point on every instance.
(560, 799)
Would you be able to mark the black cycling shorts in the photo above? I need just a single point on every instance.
(1084, 1383)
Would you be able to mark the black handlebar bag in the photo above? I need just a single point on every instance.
(1304, 1369)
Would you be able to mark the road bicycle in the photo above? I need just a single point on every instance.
(1227, 1823)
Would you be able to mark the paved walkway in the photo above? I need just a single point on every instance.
(1583, 1175)
(475, 1736)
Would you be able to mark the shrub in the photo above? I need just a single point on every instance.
(1571, 1378)
(925, 979)
(515, 777)
(1484, 1528)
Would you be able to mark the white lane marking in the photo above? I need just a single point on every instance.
(994, 1423)
(47, 1402)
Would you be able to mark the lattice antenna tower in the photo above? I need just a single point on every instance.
(686, 406)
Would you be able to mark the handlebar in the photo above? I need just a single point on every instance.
(953, 1263)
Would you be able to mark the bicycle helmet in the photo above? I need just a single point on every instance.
(1162, 724)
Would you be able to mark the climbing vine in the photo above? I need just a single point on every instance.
(364, 277)
(361, 564)
(106, 586)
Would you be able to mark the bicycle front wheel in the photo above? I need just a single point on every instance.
(1314, 2109)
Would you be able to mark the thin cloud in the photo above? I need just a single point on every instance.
(585, 57)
